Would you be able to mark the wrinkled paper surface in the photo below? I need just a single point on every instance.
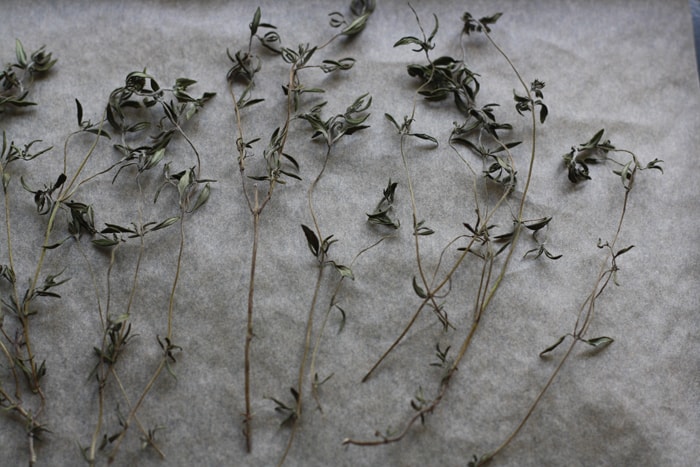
(626, 67)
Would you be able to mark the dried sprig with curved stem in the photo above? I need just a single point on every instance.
(330, 131)
(458, 81)
(346, 272)
(26, 400)
(279, 164)
(18, 349)
(192, 194)
(52, 199)
(440, 79)
(607, 272)
(132, 111)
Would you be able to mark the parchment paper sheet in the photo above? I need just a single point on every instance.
(624, 66)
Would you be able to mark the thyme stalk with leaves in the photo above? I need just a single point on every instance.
(18, 349)
(279, 164)
(447, 77)
(576, 162)
(246, 65)
(132, 111)
(330, 131)
(26, 400)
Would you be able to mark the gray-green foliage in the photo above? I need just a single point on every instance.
(143, 121)
(17, 77)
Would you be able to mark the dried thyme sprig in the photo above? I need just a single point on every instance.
(17, 78)
(330, 131)
(26, 401)
(606, 273)
(278, 163)
(245, 66)
(146, 119)
(438, 83)
(18, 350)
(439, 79)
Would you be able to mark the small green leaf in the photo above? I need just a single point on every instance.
(167, 222)
(506, 237)
(425, 137)
(382, 218)
(43, 293)
(551, 256)
(357, 25)
(342, 318)
(114, 228)
(249, 102)
(422, 229)
(256, 22)
(202, 198)
(337, 19)
(554, 346)
(18, 102)
(291, 160)
(169, 367)
(80, 112)
(623, 251)
(105, 242)
(537, 224)
(537, 251)
(136, 127)
(290, 174)
(655, 164)
(409, 40)
(343, 64)
(418, 289)
(344, 271)
(56, 245)
(184, 182)
(327, 242)
(591, 143)
(625, 173)
(184, 83)
(393, 121)
(21, 54)
(59, 181)
(599, 342)
(120, 318)
(311, 240)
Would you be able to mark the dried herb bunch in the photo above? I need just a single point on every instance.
(120, 201)
(22, 396)
(279, 165)
(482, 133)
(145, 122)
(147, 119)
(591, 152)
(497, 193)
